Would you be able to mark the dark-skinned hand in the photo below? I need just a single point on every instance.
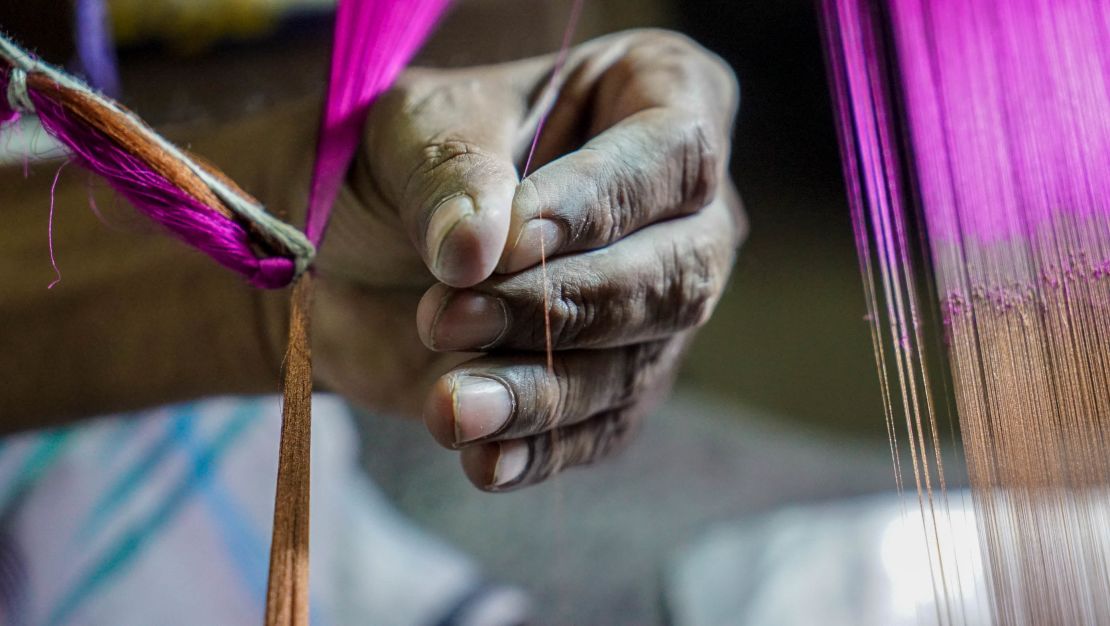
(630, 199)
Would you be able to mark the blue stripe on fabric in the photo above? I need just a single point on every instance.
(247, 546)
(117, 438)
(243, 543)
(122, 553)
(135, 476)
(41, 457)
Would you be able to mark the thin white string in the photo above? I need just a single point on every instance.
(18, 98)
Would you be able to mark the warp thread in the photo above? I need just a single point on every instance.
(984, 127)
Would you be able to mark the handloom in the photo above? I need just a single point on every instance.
(374, 40)
(975, 136)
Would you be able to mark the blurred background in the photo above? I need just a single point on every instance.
(778, 404)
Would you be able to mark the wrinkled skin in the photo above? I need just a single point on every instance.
(629, 198)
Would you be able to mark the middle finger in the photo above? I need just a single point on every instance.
(661, 280)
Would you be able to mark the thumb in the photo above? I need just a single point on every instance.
(444, 145)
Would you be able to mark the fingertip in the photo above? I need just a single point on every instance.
(428, 311)
(462, 258)
(462, 409)
(439, 413)
(496, 466)
(525, 207)
(460, 320)
(479, 464)
(466, 235)
(538, 239)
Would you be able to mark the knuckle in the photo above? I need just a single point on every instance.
(682, 56)
(685, 50)
(421, 99)
(698, 166)
(655, 41)
(612, 433)
(438, 153)
(584, 443)
(704, 283)
(725, 77)
(605, 218)
(537, 401)
(692, 285)
(440, 166)
(737, 215)
(662, 53)
(640, 371)
(616, 216)
(571, 313)
(562, 395)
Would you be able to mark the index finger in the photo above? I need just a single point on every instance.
(659, 146)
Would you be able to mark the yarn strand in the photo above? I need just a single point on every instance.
(547, 99)
(287, 593)
(374, 40)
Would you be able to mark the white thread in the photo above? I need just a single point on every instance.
(18, 98)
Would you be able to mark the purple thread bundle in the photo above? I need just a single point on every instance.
(198, 225)
(1007, 109)
(1011, 139)
(975, 136)
(374, 41)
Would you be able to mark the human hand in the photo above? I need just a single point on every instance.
(632, 204)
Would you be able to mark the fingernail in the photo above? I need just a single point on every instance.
(469, 321)
(449, 214)
(482, 407)
(527, 251)
(512, 460)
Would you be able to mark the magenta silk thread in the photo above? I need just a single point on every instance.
(1003, 148)
(975, 136)
(152, 194)
(374, 40)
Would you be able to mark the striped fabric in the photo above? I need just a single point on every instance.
(164, 518)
